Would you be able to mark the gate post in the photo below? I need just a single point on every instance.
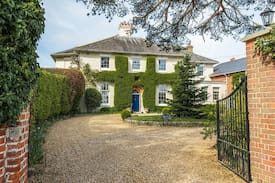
(261, 108)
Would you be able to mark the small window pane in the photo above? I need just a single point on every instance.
(105, 62)
(200, 70)
(136, 64)
(105, 93)
(162, 94)
(162, 65)
(216, 91)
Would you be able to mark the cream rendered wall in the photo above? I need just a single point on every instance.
(143, 61)
(170, 64)
(210, 86)
(62, 63)
(94, 60)
(168, 94)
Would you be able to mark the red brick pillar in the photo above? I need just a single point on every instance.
(261, 107)
(14, 150)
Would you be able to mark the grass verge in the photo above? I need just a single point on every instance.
(157, 120)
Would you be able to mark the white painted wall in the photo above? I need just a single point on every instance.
(94, 60)
(211, 85)
(170, 64)
(63, 63)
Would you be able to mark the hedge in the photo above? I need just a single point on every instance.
(124, 82)
(51, 96)
(21, 24)
(77, 84)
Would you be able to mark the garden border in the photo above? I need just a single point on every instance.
(169, 123)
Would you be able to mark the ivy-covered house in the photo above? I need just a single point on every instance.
(131, 74)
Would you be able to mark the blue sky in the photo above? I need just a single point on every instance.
(67, 26)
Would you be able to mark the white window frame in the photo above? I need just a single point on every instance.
(216, 93)
(158, 65)
(162, 92)
(200, 66)
(105, 89)
(101, 64)
(133, 60)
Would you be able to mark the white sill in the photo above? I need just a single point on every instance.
(162, 104)
(105, 105)
(104, 69)
(134, 70)
(162, 71)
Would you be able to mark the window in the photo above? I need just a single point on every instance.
(104, 62)
(136, 64)
(200, 70)
(105, 93)
(162, 65)
(216, 93)
(162, 94)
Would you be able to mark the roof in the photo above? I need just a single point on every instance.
(230, 67)
(130, 45)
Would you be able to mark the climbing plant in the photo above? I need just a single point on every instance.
(124, 82)
(236, 78)
(21, 24)
(265, 46)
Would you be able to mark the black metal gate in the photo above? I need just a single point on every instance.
(233, 132)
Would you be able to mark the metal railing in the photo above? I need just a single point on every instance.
(233, 132)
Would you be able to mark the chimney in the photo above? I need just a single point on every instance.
(189, 47)
(125, 29)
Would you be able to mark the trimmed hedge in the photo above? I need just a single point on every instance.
(124, 82)
(51, 96)
(92, 99)
(125, 114)
(77, 85)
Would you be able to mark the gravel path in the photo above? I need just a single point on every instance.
(101, 148)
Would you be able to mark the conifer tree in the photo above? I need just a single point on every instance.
(186, 94)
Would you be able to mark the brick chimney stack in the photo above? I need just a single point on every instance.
(125, 29)
(189, 47)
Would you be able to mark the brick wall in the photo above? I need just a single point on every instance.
(228, 78)
(14, 151)
(261, 105)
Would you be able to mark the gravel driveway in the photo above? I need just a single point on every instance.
(102, 148)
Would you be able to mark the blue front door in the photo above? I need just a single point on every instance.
(135, 103)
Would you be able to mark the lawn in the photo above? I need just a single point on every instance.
(157, 120)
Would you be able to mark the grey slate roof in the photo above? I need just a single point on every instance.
(230, 67)
(131, 45)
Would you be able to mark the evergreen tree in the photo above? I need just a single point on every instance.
(186, 95)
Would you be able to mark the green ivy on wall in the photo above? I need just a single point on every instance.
(265, 46)
(124, 82)
(236, 78)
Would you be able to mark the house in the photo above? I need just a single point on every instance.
(133, 74)
(224, 72)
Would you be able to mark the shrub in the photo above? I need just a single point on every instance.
(92, 99)
(77, 85)
(21, 25)
(125, 114)
(166, 111)
(51, 96)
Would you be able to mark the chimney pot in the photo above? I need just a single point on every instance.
(125, 29)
